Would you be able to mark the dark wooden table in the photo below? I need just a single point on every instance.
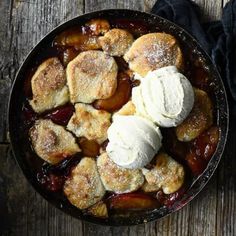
(22, 211)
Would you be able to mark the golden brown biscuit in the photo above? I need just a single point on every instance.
(84, 187)
(99, 210)
(199, 119)
(150, 187)
(49, 86)
(153, 51)
(116, 42)
(127, 110)
(167, 175)
(52, 142)
(90, 76)
(89, 123)
(118, 179)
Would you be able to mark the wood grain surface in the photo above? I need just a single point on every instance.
(22, 211)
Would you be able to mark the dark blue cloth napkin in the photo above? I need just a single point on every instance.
(218, 38)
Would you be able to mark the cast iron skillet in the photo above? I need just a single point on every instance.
(22, 150)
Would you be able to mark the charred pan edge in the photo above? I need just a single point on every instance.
(17, 98)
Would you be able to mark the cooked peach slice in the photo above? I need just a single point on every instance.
(89, 147)
(68, 55)
(75, 38)
(133, 201)
(202, 149)
(119, 98)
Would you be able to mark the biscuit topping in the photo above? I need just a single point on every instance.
(52, 142)
(49, 86)
(89, 123)
(153, 51)
(90, 76)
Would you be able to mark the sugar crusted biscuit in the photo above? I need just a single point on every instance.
(90, 76)
(116, 42)
(127, 109)
(52, 142)
(84, 187)
(49, 86)
(118, 179)
(89, 122)
(167, 175)
(153, 51)
(199, 119)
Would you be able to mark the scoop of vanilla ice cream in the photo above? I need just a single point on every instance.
(133, 141)
(164, 96)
